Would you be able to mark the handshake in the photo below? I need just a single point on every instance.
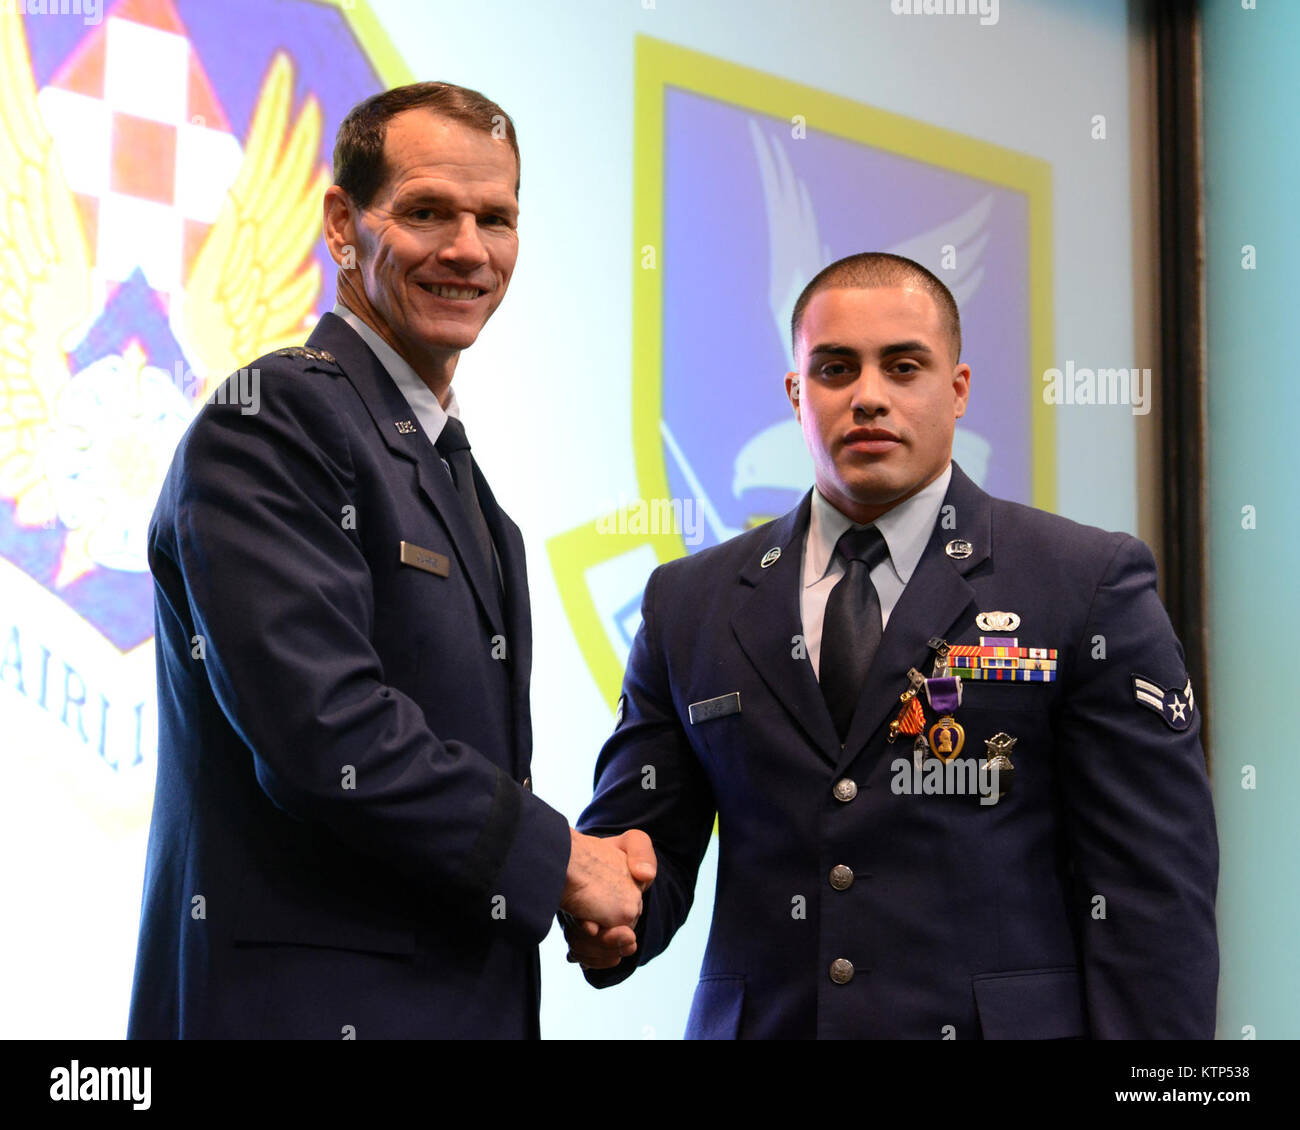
(602, 896)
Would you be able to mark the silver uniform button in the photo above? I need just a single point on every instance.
(841, 877)
(845, 789)
(841, 971)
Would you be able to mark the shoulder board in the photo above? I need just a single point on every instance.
(306, 352)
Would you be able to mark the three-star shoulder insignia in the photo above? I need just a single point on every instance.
(306, 352)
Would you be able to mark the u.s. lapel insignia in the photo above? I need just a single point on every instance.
(770, 557)
(405, 427)
(959, 549)
(1174, 706)
(997, 621)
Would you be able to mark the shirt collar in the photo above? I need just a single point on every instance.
(419, 395)
(906, 530)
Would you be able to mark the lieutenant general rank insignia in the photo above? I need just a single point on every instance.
(1002, 659)
(1173, 705)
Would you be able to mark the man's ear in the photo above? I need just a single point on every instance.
(961, 388)
(340, 227)
(792, 393)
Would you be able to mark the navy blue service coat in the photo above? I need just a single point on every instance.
(343, 842)
(1080, 904)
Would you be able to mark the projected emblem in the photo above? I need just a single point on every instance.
(746, 186)
(161, 174)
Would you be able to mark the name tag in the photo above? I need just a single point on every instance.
(712, 708)
(425, 559)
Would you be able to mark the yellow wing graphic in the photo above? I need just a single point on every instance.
(250, 291)
(44, 279)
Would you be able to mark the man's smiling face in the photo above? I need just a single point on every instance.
(437, 245)
(878, 395)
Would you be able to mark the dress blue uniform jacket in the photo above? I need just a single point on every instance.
(342, 844)
(1080, 904)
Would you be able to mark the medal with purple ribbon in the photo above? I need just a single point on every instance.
(946, 735)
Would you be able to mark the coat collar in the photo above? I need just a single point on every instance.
(404, 437)
(768, 624)
(932, 604)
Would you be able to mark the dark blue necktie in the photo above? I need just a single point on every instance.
(453, 446)
(851, 627)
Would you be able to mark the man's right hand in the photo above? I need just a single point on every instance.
(606, 877)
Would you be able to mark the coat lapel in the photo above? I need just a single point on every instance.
(932, 603)
(386, 405)
(766, 619)
(517, 612)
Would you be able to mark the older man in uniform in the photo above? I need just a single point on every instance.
(344, 840)
(950, 741)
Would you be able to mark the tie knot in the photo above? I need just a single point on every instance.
(452, 438)
(866, 544)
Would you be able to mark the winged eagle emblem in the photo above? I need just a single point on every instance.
(89, 449)
(776, 458)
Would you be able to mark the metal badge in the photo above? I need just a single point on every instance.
(997, 621)
(947, 736)
(1000, 745)
(999, 748)
(770, 557)
(406, 427)
(306, 352)
(712, 708)
(426, 559)
(959, 549)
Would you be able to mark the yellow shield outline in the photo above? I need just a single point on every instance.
(660, 64)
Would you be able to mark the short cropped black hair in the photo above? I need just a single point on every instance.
(869, 269)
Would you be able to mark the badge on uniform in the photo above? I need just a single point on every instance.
(911, 718)
(436, 563)
(947, 736)
(1174, 706)
(307, 353)
(1001, 659)
(711, 708)
(997, 765)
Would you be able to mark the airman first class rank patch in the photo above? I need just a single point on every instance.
(1174, 706)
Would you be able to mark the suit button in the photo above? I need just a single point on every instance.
(841, 877)
(841, 971)
(845, 789)
(528, 785)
